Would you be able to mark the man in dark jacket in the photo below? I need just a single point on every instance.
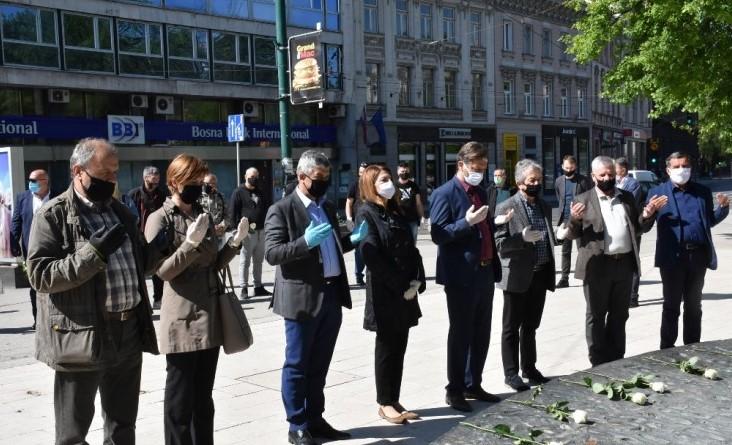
(88, 261)
(249, 201)
(498, 190)
(311, 286)
(26, 206)
(148, 198)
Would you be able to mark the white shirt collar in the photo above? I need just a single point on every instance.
(601, 195)
(305, 200)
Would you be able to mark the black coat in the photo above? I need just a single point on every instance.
(243, 204)
(392, 261)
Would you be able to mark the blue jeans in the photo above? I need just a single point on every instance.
(360, 266)
(308, 351)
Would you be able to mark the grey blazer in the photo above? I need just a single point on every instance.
(590, 230)
(517, 256)
(583, 184)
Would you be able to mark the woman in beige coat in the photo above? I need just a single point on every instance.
(190, 324)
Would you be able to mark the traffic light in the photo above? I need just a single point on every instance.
(690, 119)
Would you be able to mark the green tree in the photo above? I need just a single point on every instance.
(675, 52)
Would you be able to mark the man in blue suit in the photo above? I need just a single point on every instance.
(684, 247)
(468, 267)
(26, 205)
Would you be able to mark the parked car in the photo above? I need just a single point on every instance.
(647, 180)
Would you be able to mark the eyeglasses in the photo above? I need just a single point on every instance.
(364, 165)
(36, 180)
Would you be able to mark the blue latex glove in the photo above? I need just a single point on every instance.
(359, 233)
(314, 235)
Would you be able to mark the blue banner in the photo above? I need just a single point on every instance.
(157, 131)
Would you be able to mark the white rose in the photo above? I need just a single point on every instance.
(711, 374)
(579, 416)
(253, 226)
(659, 387)
(555, 443)
(639, 398)
(693, 361)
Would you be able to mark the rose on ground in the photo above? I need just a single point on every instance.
(711, 374)
(579, 416)
(693, 361)
(659, 387)
(555, 443)
(639, 398)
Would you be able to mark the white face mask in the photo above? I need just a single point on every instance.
(679, 175)
(473, 178)
(386, 189)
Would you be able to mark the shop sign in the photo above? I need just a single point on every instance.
(510, 141)
(455, 133)
(569, 131)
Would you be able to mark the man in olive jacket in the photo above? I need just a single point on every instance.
(87, 260)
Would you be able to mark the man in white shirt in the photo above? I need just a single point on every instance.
(606, 221)
(26, 205)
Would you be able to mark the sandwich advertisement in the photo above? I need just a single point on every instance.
(306, 79)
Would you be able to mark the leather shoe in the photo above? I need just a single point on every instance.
(301, 437)
(534, 376)
(458, 402)
(564, 282)
(398, 420)
(244, 293)
(261, 292)
(479, 393)
(516, 382)
(324, 430)
(634, 302)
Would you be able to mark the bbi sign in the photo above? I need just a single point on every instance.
(126, 129)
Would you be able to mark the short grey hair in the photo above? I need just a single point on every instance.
(677, 155)
(602, 161)
(523, 167)
(85, 149)
(311, 159)
(150, 170)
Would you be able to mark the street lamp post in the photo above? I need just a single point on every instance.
(283, 82)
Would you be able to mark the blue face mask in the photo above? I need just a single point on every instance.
(34, 187)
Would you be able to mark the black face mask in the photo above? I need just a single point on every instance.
(606, 186)
(569, 173)
(99, 190)
(191, 193)
(404, 176)
(318, 187)
(533, 190)
(252, 182)
(208, 189)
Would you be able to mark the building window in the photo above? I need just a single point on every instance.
(546, 43)
(229, 8)
(528, 39)
(371, 15)
(372, 83)
(231, 57)
(581, 93)
(508, 97)
(404, 90)
(547, 99)
(307, 13)
(188, 53)
(88, 43)
(529, 98)
(477, 93)
(450, 89)
(428, 87)
(140, 48)
(564, 57)
(448, 24)
(476, 28)
(265, 64)
(425, 21)
(564, 101)
(263, 10)
(333, 67)
(29, 36)
(507, 35)
(402, 18)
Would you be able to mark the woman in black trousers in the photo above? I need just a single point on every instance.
(395, 275)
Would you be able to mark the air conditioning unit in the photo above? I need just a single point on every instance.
(57, 96)
(164, 105)
(138, 101)
(336, 111)
(250, 109)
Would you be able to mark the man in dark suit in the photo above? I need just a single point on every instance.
(468, 267)
(606, 220)
(302, 240)
(567, 186)
(526, 249)
(26, 205)
(684, 247)
(497, 190)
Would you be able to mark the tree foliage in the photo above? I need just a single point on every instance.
(678, 53)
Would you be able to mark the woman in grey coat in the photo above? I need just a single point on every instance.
(190, 323)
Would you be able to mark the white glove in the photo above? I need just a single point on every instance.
(410, 293)
(242, 231)
(473, 216)
(562, 232)
(350, 225)
(503, 219)
(531, 236)
(197, 230)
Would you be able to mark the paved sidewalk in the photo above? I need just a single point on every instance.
(247, 392)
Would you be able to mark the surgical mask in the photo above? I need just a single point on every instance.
(474, 178)
(679, 175)
(191, 193)
(34, 187)
(386, 189)
(318, 187)
(99, 190)
(606, 186)
(499, 180)
(533, 190)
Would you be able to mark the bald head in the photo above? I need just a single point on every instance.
(251, 177)
(38, 182)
